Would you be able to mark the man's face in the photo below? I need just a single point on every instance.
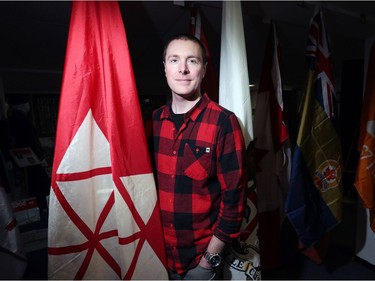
(184, 67)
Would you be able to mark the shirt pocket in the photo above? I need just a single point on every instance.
(197, 162)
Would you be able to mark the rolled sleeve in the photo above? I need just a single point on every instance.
(231, 172)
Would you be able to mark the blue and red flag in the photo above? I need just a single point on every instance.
(314, 201)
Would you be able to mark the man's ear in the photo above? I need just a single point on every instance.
(205, 68)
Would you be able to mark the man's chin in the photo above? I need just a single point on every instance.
(188, 95)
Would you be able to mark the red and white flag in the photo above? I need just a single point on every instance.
(210, 83)
(272, 155)
(104, 218)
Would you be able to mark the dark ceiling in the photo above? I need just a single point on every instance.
(34, 35)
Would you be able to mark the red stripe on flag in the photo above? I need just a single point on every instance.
(84, 175)
(11, 225)
(94, 239)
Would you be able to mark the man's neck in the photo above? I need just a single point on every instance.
(182, 105)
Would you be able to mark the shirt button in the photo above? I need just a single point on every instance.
(174, 152)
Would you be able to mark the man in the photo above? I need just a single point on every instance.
(200, 167)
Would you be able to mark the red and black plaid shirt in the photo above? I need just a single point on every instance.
(201, 179)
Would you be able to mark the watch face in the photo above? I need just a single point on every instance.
(215, 260)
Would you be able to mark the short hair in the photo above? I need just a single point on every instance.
(186, 37)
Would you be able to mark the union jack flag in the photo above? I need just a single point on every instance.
(318, 54)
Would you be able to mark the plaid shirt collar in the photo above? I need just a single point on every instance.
(192, 113)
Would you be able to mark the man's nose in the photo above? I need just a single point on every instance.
(184, 69)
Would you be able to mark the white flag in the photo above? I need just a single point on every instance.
(234, 91)
(243, 261)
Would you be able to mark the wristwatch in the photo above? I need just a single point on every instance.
(213, 259)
